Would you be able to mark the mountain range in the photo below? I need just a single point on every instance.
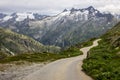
(21, 16)
(33, 34)
(67, 28)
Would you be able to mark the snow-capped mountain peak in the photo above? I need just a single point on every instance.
(89, 10)
(83, 14)
(23, 16)
(65, 10)
(18, 17)
(77, 14)
(73, 9)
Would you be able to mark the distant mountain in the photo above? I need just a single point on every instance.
(67, 28)
(21, 16)
(72, 26)
(12, 43)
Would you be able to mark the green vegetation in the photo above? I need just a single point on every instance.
(12, 43)
(26, 49)
(86, 43)
(72, 51)
(43, 57)
(103, 61)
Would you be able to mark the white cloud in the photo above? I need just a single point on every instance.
(56, 6)
(110, 8)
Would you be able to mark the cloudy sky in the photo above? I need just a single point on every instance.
(56, 6)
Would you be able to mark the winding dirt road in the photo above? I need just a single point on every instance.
(63, 69)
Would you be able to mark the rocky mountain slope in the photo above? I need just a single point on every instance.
(67, 28)
(72, 26)
(12, 43)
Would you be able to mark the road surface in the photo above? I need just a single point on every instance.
(63, 69)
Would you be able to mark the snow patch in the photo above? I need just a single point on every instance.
(6, 18)
(86, 12)
(23, 16)
(65, 13)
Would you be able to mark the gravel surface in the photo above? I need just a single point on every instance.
(18, 72)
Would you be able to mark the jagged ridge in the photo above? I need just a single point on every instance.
(67, 28)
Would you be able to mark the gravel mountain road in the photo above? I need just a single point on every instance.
(64, 69)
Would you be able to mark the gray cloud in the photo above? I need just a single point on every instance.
(56, 6)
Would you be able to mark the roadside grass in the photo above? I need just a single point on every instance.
(85, 44)
(103, 63)
(43, 57)
(46, 57)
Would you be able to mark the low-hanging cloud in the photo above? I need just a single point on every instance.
(55, 6)
(111, 8)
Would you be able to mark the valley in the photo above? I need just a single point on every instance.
(65, 69)
(74, 44)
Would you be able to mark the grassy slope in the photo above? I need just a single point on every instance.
(17, 43)
(103, 63)
(86, 43)
(43, 57)
(11, 42)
